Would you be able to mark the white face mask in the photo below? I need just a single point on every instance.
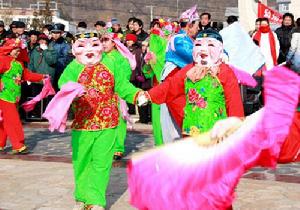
(207, 52)
(43, 46)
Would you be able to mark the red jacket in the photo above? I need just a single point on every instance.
(171, 92)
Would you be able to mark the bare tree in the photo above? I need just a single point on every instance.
(6, 15)
(36, 23)
(42, 16)
(46, 13)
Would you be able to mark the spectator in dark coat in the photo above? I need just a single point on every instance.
(137, 78)
(284, 34)
(32, 41)
(205, 21)
(138, 26)
(293, 56)
(62, 49)
(43, 57)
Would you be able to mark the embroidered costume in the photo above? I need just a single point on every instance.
(12, 73)
(94, 129)
(214, 95)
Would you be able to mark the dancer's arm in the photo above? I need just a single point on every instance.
(169, 89)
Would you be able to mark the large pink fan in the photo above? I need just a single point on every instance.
(185, 175)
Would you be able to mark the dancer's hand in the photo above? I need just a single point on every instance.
(143, 98)
(196, 73)
(46, 76)
(224, 128)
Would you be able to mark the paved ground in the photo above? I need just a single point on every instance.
(46, 182)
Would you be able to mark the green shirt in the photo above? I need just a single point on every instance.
(205, 104)
(10, 89)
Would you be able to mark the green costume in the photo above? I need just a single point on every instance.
(10, 82)
(157, 46)
(205, 105)
(121, 64)
(94, 128)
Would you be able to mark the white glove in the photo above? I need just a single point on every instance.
(224, 128)
(43, 46)
(143, 99)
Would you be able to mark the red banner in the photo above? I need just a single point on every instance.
(266, 12)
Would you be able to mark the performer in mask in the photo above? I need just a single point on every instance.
(94, 129)
(210, 88)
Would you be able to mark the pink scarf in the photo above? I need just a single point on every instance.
(123, 49)
(124, 113)
(46, 91)
(125, 52)
(57, 110)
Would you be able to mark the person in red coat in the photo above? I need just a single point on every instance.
(12, 73)
(208, 88)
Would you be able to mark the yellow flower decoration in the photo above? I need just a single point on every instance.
(92, 35)
(194, 131)
(120, 36)
(161, 20)
(82, 36)
(18, 41)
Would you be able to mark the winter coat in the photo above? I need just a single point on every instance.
(137, 77)
(43, 61)
(63, 50)
(293, 55)
(284, 35)
(142, 36)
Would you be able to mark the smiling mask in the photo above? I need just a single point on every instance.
(87, 49)
(208, 48)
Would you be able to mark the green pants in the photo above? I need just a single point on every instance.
(92, 160)
(121, 135)
(157, 132)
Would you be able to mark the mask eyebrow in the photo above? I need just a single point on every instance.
(95, 39)
(81, 40)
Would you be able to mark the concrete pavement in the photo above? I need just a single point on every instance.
(44, 179)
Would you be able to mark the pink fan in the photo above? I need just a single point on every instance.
(244, 77)
(185, 175)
